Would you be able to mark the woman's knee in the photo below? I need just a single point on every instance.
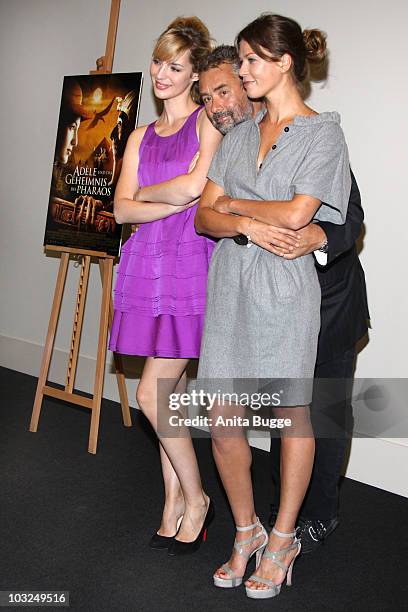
(145, 398)
(296, 421)
(226, 445)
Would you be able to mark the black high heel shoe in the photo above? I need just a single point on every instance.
(186, 548)
(159, 542)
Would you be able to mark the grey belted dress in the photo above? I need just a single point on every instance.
(263, 312)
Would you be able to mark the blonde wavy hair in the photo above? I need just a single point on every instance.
(181, 35)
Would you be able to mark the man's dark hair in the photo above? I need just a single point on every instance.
(223, 54)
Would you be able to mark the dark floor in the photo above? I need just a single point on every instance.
(80, 523)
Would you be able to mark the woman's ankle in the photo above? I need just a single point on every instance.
(174, 505)
(247, 521)
(198, 504)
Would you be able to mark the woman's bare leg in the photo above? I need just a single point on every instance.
(233, 458)
(173, 494)
(153, 399)
(297, 455)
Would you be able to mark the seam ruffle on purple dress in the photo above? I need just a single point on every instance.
(159, 296)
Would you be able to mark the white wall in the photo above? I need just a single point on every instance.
(43, 40)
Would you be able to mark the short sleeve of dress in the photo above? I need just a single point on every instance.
(325, 173)
(218, 166)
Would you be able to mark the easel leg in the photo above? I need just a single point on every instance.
(120, 377)
(49, 342)
(107, 265)
(77, 325)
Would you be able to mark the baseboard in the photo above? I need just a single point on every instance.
(380, 463)
(371, 461)
(25, 356)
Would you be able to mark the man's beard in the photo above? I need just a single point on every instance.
(224, 121)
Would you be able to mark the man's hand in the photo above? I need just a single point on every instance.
(284, 242)
(312, 237)
(277, 240)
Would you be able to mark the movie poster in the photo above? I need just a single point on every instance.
(97, 115)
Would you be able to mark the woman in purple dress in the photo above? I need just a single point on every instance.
(161, 280)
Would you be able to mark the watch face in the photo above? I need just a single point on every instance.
(240, 239)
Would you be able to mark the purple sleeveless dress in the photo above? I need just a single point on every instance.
(159, 297)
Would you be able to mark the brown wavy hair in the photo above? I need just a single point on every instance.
(271, 36)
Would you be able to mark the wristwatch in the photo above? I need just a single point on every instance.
(325, 247)
(244, 239)
(241, 239)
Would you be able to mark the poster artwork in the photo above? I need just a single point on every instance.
(97, 115)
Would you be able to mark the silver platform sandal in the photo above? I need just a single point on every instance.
(274, 589)
(233, 580)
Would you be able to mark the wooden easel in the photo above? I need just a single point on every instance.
(104, 65)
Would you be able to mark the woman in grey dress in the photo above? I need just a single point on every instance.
(282, 169)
